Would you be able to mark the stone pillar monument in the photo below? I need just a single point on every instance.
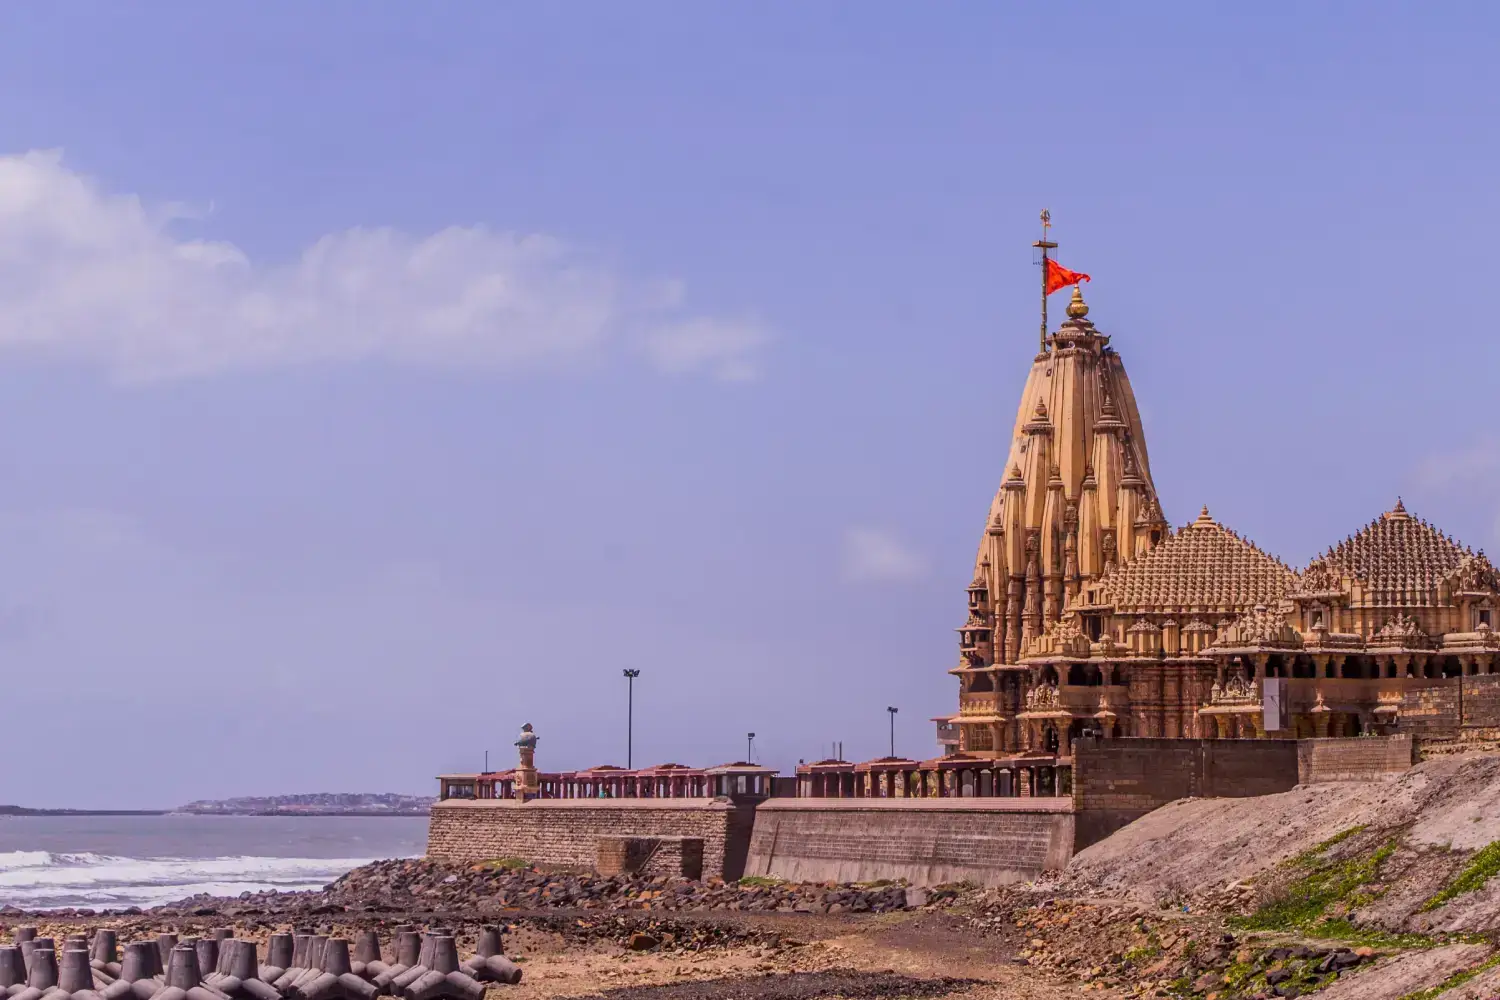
(527, 785)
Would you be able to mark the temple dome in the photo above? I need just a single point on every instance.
(1204, 568)
(1401, 561)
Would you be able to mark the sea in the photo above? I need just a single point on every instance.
(112, 862)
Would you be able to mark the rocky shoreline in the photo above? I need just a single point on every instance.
(410, 888)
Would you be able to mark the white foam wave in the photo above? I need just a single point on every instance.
(40, 880)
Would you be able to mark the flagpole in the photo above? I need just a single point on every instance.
(1044, 245)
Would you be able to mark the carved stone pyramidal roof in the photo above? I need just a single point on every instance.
(1400, 560)
(1203, 568)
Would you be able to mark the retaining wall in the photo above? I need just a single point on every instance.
(566, 832)
(928, 841)
(1364, 759)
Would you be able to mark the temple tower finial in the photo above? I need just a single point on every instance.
(1044, 244)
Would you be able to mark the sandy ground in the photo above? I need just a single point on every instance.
(929, 956)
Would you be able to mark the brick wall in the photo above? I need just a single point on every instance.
(928, 841)
(1362, 759)
(1118, 781)
(1430, 706)
(1481, 701)
(565, 832)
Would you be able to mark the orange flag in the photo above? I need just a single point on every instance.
(1060, 277)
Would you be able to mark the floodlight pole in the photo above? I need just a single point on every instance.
(630, 676)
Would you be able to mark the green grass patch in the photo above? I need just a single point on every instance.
(1340, 929)
(1455, 980)
(1339, 838)
(762, 881)
(1483, 866)
(1306, 900)
(508, 864)
(1144, 953)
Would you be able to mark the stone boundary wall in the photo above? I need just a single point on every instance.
(1115, 782)
(927, 841)
(1365, 758)
(1439, 707)
(1118, 781)
(566, 832)
(1480, 698)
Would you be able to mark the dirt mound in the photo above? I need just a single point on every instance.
(1432, 827)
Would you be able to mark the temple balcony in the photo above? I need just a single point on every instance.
(1089, 701)
(979, 703)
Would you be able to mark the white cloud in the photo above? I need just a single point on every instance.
(725, 348)
(1476, 465)
(873, 555)
(100, 278)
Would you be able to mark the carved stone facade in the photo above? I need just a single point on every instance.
(1088, 615)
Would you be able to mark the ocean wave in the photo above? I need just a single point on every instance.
(43, 880)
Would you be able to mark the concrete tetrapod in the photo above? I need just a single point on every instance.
(335, 979)
(137, 973)
(24, 938)
(104, 953)
(12, 969)
(368, 962)
(408, 948)
(295, 963)
(489, 964)
(184, 979)
(76, 976)
(31, 944)
(238, 972)
(41, 971)
(437, 973)
(278, 958)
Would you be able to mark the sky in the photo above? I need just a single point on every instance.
(377, 378)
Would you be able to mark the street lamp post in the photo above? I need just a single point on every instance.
(892, 711)
(630, 676)
(749, 747)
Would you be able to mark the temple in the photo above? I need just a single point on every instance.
(1089, 616)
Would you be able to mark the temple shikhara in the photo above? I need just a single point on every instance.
(1089, 615)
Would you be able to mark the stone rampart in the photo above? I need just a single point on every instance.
(1480, 697)
(1118, 781)
(1363, 759)
(566, 832)
(927, 841)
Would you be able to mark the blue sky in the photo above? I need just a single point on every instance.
(377, 378)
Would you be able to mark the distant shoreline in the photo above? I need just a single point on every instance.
(6, 811)
(25, 811)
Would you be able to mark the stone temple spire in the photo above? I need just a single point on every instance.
(1077, 500)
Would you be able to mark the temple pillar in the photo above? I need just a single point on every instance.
(1013, 620)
